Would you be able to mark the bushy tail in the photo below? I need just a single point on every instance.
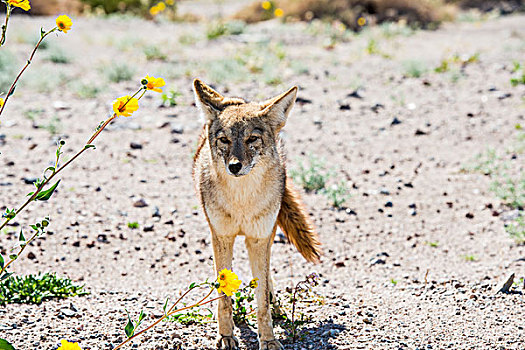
(294, 221)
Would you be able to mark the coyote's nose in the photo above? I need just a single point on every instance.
(235, 167)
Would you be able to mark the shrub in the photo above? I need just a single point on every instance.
(424, 13)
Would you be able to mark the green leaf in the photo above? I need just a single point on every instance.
(129, 329)
(165, 305)
(6, 275)
(89, 146)
(21, 238)
(1, 261)
(45, 195)
(4, 345)
(192, 285)
(13, 256)
(141, 317)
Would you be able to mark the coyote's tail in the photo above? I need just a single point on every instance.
(297, 226)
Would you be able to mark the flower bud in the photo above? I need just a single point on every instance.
(144, 82)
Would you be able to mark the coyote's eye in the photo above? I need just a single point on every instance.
(252, 139)
(224, 140)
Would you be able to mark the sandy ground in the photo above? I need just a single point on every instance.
(393, 276)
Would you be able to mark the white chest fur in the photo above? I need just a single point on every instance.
(246, 205)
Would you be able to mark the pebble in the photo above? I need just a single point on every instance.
(176, 128)
(141, 203)
(135, 145)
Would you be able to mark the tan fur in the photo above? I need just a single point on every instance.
(240, 178)
(297, 226)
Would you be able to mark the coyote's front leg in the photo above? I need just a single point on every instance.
(259, 254)
(223, 251)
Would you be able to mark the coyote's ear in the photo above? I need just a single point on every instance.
(209, 101)
(278, 108)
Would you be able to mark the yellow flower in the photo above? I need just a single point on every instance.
(161, 6)
(266, 5)
(64, 23)
(278, 12)
(228, 282)
(361, 21)
(154, 10)
(121, 106)
(68, 346)
(253, 283)
(153, 83)
(170, 2)
(23, 4)
(1, 102)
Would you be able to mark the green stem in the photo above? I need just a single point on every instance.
(19, 252)
(12, 88)
(171, 312)
(4, 27)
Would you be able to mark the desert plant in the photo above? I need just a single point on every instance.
(33, 289)
(292, 322)
(516, 230)
(117, 72)
(58, 55)
(312, 176)
(337, 194)
(153, 52)
(169, 99)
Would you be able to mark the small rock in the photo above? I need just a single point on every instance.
(505, 287)
(156, 212)
(340, 264)
(60, 105)
(176, 128)
(148, 228)
(135, 145)
(29, 180)
(141, 203)
(357, 93)
(469, 216)
(420, 132)
(68, 312)
(389, 204)
(31, 256)
(395, 121)
(375, 108)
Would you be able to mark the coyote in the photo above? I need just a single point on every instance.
(240, 177)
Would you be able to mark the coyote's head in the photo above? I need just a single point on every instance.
(242, 134)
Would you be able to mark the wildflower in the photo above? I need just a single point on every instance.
(154, 10)
(153, 83)
(68, 346)
(253, 283)
(278, 12)
(121, 106)
(161, 6)
(361, 21)
(228, 282)
(23, 4)
(1, 102)
(64, 23)
(170, 2)
(266, 5)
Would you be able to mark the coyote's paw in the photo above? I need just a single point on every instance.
(228, 343)
(270, 345)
